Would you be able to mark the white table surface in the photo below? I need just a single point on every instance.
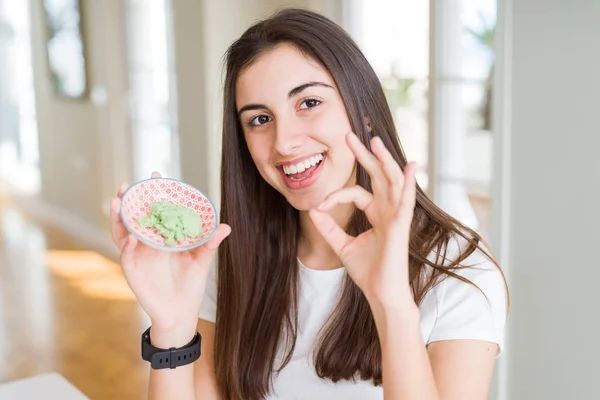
(51, 386)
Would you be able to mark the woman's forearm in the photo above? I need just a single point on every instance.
(175, 383)
(407, 373)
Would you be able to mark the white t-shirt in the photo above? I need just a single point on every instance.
(451, 310)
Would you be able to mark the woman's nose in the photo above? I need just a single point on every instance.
(288, 139)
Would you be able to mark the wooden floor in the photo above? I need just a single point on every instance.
(66, 309)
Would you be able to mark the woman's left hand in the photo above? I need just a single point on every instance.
(376, 260)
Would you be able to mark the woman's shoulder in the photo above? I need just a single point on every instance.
(476, 281)
(471, 302)
(471, 263)
(482, 277)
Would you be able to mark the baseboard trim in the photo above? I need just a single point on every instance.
(72, 224)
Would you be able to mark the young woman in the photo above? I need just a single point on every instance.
(339, 278)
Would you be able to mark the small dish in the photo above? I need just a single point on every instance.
(136, 202)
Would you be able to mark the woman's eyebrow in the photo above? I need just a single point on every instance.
(249, 107)
(299, 89)
(292, 93)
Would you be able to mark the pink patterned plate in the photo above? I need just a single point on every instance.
(136, 201)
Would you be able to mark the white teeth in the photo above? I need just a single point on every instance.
(302, 165)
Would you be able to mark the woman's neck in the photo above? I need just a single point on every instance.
(313, 250)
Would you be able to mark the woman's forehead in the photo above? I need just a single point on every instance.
(275, 72)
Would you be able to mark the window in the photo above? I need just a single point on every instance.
(435, 61)
(19, 151)
(395, 40)
(152, 88)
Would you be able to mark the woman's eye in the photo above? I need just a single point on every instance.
(309, 103)
(259, 120)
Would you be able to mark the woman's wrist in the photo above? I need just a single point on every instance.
(402, 307)
(176, 337)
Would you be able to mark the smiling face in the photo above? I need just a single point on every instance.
(295, 124)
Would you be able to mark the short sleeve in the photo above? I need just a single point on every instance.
(208, 310)
(464, 312)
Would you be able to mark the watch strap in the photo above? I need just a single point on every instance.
(173, 357)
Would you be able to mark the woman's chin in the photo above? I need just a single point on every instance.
(306, 204)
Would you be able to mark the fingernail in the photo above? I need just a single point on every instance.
(322, 206)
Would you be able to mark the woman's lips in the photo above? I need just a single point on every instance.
(306, 181)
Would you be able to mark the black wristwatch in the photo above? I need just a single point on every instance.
(173, 357)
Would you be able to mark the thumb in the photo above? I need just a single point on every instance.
(330, 230)
(128, 254)
(203, 254)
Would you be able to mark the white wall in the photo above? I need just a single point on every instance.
(554, 229)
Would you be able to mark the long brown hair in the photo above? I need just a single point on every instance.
(258, 267)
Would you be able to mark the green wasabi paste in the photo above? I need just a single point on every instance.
(174, 222)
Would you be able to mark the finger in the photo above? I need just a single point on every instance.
(127, 254)
(355, 194)
(409, 196)
(370, 163)
(203, 254)
(330, 230)
(391, 169)
(122, 188)
(156, 175)
(119, 232)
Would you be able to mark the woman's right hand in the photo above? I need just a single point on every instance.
(168, 285)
